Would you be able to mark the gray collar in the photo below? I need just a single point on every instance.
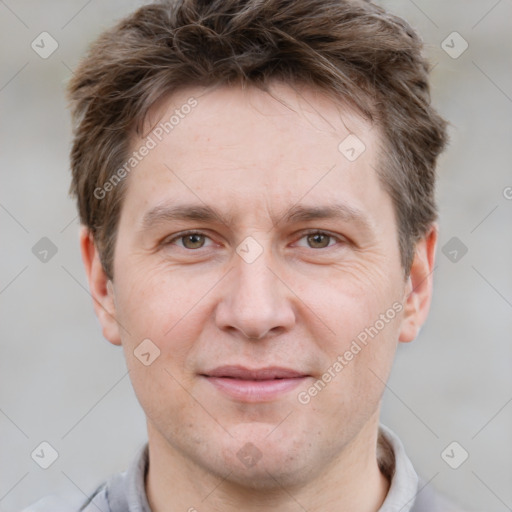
(394, 462)
(126, 491)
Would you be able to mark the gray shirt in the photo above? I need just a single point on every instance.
(125, 492)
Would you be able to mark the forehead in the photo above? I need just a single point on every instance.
(244, 148)
(233, 113)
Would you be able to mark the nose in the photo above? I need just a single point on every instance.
(255, 302)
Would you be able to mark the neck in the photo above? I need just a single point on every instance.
(351, 481)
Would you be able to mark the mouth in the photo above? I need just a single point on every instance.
(257, 385)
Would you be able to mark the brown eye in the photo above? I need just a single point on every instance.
(318, 240)
(193, 241)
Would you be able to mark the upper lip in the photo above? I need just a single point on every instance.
(240, 372)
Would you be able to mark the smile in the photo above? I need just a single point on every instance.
(261, 385)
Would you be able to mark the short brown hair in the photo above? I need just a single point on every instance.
(351, 49)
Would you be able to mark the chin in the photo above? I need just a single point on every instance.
(270, 476)
(259, 463)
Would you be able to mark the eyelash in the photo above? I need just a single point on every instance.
(183, 234)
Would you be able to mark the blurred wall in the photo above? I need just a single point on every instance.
(62, 383)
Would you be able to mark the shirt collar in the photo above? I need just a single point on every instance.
(127, 491)
(394, 462)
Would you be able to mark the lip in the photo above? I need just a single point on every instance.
(254, 385)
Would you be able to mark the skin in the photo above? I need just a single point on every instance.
(297, 305)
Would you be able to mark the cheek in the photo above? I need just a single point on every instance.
(163, 308)
(161, 393)
(349, 303)
(161, 302)
(365, 318)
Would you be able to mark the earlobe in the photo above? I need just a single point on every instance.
(418, 290)
(101, 287)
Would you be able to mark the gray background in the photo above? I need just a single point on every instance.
(62, 383)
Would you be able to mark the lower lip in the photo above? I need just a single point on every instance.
(255, 390)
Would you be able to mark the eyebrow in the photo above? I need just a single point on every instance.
(162, 214)
(337, 211)
(298, 213)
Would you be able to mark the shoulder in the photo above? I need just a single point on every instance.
(117, 495)
(55, 503)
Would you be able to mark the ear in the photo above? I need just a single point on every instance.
(101, 287)
(418, 290)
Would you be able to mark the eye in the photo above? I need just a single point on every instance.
(319, 240)
(189, 240)
(193, 240)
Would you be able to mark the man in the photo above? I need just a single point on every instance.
(255, 181)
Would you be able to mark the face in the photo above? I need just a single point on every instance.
(261, 266)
